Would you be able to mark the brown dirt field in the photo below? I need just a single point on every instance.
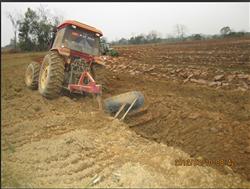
(66, 142)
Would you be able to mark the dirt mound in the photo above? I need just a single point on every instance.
(109, 152)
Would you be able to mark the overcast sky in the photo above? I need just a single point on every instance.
(118, 20)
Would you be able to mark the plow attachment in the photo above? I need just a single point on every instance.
(91, 87)
(123, 103)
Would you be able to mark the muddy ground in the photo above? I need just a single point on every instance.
(197, 106)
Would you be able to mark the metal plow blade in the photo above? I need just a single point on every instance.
(123, 103)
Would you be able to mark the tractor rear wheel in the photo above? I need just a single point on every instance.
(51, 75)
(32, 75)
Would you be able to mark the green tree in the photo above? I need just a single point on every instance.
(152, 37)
(123, 41)
(225, 31)
(197, 37)
(35, 29)
(27, 30)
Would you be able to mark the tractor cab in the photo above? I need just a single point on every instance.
(73, 38)
(105, 48)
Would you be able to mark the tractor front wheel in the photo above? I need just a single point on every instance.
(51, 75)
(32, 75)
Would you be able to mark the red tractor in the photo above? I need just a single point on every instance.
(74, 51)
(69, 63)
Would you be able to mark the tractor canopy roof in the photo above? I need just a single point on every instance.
(80, 25)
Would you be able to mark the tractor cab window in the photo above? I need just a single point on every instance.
(58, 38)
(80, 40)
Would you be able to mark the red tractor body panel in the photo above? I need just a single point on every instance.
(80, 25)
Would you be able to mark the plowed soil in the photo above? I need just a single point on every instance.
(197, 107)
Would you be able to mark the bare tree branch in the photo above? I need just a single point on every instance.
(180, 31)
(15, 23)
